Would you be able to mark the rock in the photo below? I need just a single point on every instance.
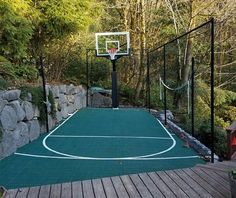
(62, 99)
(21, 134)
(8, 144)
(55, 91)
(70, 98)
(29, 111)
(70, 90)
(47, 87)
(36, 112)
(27, 97)
(34, 129)
(58, 116)
(8, 118)
(64, 112)
(62, 89)
(71, 108)
(98, 100)
(18, 109)
(107, 101)
(11, 95)
(3, 103)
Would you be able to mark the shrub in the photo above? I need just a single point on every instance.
(38, 101)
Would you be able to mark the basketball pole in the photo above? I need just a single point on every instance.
(114, 85)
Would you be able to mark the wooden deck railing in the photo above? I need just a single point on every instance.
(231, 139)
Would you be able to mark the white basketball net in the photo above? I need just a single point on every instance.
(112, 53)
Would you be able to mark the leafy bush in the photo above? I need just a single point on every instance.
(26, 72)
(38, 100)
(6, 69)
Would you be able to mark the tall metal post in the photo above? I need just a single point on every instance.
(212, 91)
(114, 85)
(164, 66)
(87, 77)
(148, 94)
(192, 97)
(44, 90)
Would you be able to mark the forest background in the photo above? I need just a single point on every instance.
(59, 32)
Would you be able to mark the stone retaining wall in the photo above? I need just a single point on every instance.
(19, 122)
(192, 141)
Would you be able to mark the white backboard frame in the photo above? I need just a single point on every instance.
(126, 34)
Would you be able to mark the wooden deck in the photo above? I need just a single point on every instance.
(201, 181)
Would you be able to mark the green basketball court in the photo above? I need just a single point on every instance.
(94, 143)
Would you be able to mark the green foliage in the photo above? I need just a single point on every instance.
(52, 102)
(15, 31)
(38, 100)
(26, 72)
(233, 173)
(6, 69)
(3, 84)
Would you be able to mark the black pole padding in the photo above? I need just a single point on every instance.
(87, 77)
(192, 96)
(114, 85)
(212, 91)
(164, 67)
(44, 91)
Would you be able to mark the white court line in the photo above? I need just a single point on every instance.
(72, 158)
(99, 158)
(105, 136)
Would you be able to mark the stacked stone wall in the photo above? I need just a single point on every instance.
(19, 119)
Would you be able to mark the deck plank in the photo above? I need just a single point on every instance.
(223, 181)
(194, 185)
(203, 183)
(44, 191)
(55, 191)
(215, 184)
(166, 191)
(66, 190)
(182, 184)
(131, 189)
(77, 189)
(22, 193)
(98, 188)
(176, 189)
(119, 187)
(150, 185)
(143, 190)
(87, 189)
(109, 188)
(34, 192)
(11, 193)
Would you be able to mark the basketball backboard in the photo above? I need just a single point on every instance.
(112, 40)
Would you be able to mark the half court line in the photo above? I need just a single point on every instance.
(104, 136)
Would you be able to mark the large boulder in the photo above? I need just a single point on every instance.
(8, 118)
(3, 103)
(70, 98)
(62, 89)
(62, 100)
(34, 129)
(51, 122)
(70, 90)
(21, 134)
(28, 97)
(64, 111)
(55, 91)
(11, 95)
(29, 111)
(8, 144)
(18, 109)
(98, 100)
(59, 116)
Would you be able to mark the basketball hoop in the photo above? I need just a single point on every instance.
(112, 53)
